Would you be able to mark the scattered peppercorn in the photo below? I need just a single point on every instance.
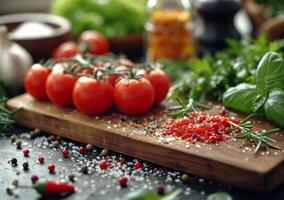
(19, 144)
(58, 137)
(13, 138)
(51, 138)
(37, 130)
(15, 182)
(26, 152)
(104, 152)
(84, 169)
(123, 118)
(14, 162)
(103, 165)
(223, 112)
(26, 166)
(51, 168)
(136, 120)
(184, 178)
(34, 179)
(9, 191)
(81, 150)
(137, 165)
(123, 181)
(71, 177)
(65, 153)
(35, 133)
(41, 159)
(160, 189)
(89, 147)
(55, 144)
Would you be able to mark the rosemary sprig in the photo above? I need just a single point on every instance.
(183, 108)
(243, 131)
(6, 116)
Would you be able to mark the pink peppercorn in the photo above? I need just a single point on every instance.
(103, 165)
(26, 152)
(123, 181)
(41, 159)
(81, 150)
(137, 165)
(51, 168)
(65, 153)
(34, 179)
(52, 138)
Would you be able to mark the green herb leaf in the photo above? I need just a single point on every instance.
(270, 72)
(147, 195)
(274, 107)
(6, 116)
(244, 97)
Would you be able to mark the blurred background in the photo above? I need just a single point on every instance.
(142, 30)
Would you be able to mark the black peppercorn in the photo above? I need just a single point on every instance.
(14, 162)
(71, 177)
(84, 169)
(26, 166)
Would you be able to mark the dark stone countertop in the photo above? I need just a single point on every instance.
(99, 184)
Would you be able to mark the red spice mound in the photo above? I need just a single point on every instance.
(201, 127)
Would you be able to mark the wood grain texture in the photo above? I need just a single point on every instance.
(227, 162)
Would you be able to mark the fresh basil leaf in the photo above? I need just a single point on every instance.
(270, 72)
(244, 98)
(274, 107)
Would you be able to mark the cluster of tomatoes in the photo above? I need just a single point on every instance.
(88, 41)
(94, 83)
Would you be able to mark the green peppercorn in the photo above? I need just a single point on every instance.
(35, 133)
(104, 152)
(55, 144)
(19, 144)
(15, 182)
(13, 138)
(184, 178)
(89, 147)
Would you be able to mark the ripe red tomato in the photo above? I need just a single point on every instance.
(35, 81)
(113, 78)
(161, 83)
(59, 87)
(134, 96)
(65, 50)
(92, 96)
(96, 43)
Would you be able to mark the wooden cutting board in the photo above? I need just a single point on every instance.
(229, 162)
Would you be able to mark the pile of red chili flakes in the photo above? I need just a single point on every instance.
(201, 127)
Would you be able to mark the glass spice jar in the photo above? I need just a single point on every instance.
(169, 34)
